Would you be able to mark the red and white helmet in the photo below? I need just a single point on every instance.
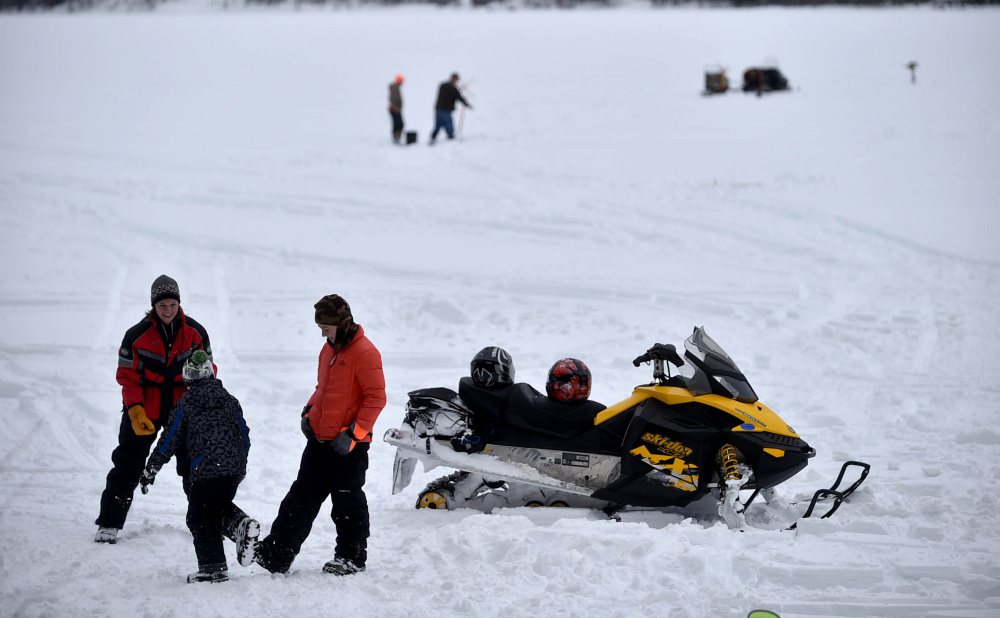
(569, 380)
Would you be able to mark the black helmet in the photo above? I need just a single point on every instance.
(569, 380)
(492, 367)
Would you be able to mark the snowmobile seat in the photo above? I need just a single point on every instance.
(488, 404)
(532, 410)
(524, 407)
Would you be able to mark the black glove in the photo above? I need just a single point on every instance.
(307, 430)
(147, 479)
(345, 440)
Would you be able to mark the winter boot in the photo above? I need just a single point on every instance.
(247, 533)
(343, 566)
(273, 555)
(106, 535)
(396, 135)
(212, 573)
(349, 556)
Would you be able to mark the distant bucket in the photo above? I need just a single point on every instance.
(411, 137)
(715, 80)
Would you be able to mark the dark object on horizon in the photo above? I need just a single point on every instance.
(913, 71)
(763, 79)
(411, 137)
(716, 81)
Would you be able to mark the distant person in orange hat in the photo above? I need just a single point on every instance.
(396, 108)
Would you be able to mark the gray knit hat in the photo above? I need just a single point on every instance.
(164, 288)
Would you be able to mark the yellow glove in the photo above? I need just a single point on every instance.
(141, 425)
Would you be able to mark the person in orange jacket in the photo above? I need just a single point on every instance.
(149, 371)
(338, 422)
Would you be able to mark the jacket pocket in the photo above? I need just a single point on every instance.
(197, 460)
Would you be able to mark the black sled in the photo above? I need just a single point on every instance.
(764, 79)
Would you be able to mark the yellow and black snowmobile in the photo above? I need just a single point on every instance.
(675, 440)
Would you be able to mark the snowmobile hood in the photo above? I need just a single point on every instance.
(748, 417)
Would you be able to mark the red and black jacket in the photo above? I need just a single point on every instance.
(150, 361)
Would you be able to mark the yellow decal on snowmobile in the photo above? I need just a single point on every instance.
(756, 414)
(666, 445)
(680, 474)
(775, 452)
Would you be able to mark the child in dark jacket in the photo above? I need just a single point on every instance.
(207, 422)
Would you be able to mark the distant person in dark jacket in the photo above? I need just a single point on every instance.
(448, 95)
(207, 424)
(396, 108)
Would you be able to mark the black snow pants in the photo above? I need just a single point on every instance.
(211, 515)
(322, 474)
(129, 460)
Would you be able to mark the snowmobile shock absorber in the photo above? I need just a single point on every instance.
(730, 465)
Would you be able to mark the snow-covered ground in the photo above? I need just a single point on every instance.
(838, 240)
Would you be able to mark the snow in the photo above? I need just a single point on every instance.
(838, 241)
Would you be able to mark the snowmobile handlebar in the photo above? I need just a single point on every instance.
(660, 352)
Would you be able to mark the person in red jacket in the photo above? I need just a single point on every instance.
(338, 422)
(150, 361)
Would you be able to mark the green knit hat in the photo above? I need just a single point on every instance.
(198, 367)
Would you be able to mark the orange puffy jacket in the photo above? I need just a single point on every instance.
(350, 387)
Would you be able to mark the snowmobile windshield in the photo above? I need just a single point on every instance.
(709, 357)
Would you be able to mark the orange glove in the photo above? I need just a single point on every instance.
(141, 424)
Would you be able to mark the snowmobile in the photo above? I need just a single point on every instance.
(680, 438)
